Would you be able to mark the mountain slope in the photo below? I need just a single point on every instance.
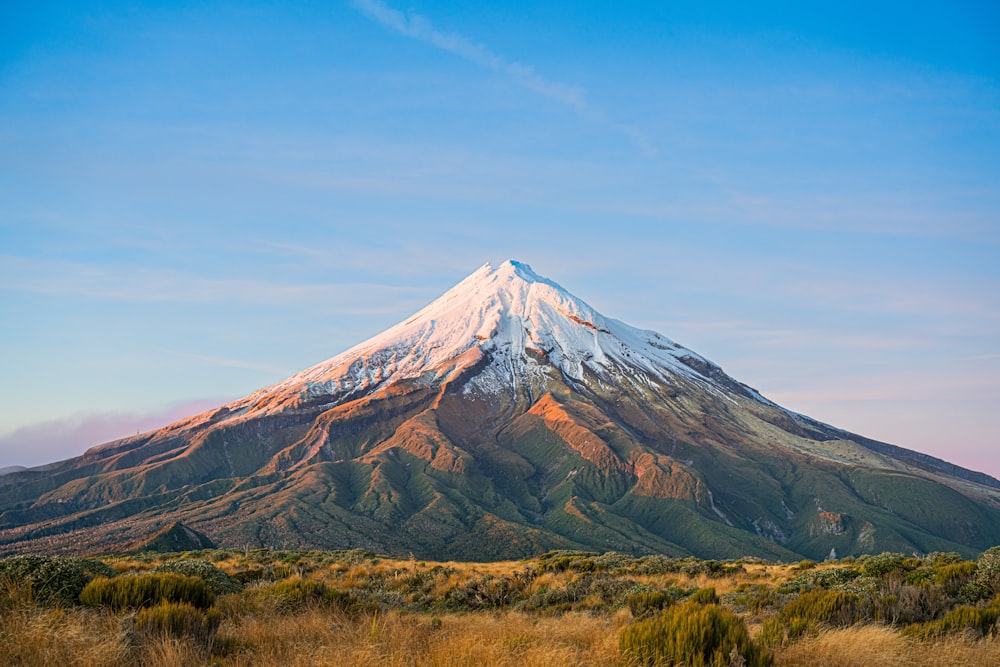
(507, 418)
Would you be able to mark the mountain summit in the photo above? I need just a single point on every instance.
(506, 418)
(526, 327)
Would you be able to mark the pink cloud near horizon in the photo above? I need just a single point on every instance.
(59, 439)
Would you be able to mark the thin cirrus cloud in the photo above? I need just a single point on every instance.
(420, 28)
(415, 26)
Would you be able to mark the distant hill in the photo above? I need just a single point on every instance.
(176, 537)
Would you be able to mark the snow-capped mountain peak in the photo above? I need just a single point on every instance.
(507, 417)
(518, 318)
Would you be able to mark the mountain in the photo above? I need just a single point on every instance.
(507, 418)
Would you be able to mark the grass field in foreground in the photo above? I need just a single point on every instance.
(563, 608)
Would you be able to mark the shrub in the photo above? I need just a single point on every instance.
(53, 580)
(585, 591)
(980, 621)
(835, 608)
(694, 635)
(296, 593)
(886, 563)
(490, 592)
(712, 568)
(136, 591)
(179, 620)
(954, 575)
(938, 558)
(704, 596)
(988, 570)
(559, 561)
(220, 582)
(756, 597)
(910, 604)
(649, 602)
(829, 578)
(772, 632)
(656, 565)
(612, 561)
(257, 573)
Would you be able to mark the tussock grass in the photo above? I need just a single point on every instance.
(315, 637)
(77, 637)
(694, 633)
(863, 646)
(133, 592)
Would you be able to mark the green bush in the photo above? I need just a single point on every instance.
(938, 558)
(491, 592)
(586, 591)
(136, 591)
(694, 635)
(981, 621)
(988, 570)
(704, 596)
(711, 568)
(256, 573)
(826, 578)
(887, 563)
(772, 632)
(220, 582)
(808, 610)
(296, 593)
(53, 580)
(649, 602)
(755, 597)
(954, 575)
(656, 565)
(560, 561)
(908, 604)
(179, 620)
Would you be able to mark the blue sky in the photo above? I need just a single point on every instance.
(199, 199)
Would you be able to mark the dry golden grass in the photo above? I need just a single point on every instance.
(49, 637)
(167, 653)
(31, 636)
(315, 637)
(259, 632)
(864, 646)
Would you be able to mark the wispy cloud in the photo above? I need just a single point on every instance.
(420, 28)
(413, 25)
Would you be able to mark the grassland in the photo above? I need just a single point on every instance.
(563, 608)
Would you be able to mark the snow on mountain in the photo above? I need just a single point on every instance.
(518, 318)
